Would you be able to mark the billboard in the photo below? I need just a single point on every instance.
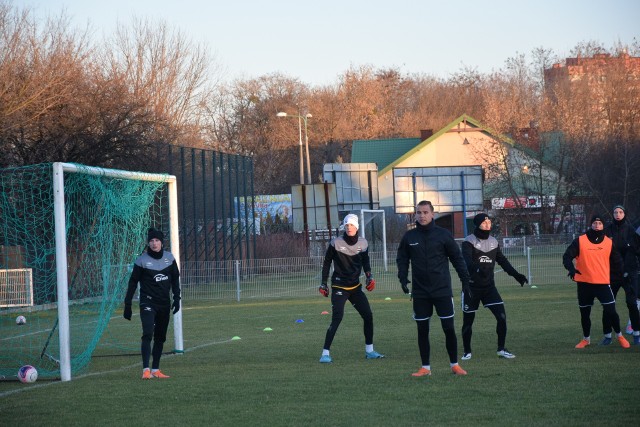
(314, 205)
(269, 205)
(530, 202)
(356, 185)
(449, 189)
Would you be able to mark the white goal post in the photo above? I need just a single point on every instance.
(384, 232)
(61, 248)
(16, 287)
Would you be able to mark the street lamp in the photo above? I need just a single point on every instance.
(306, 139)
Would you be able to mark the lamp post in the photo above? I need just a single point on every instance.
(306, 139)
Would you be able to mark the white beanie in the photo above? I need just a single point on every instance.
(351, 219)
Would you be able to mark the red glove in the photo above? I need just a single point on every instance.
(371, 283)
(324, 290)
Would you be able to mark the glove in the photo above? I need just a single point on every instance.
(467, 289)
(521, 278)
(404, 286)
(371, 283)
(127, 312)
(324, 290)
(573, 273)
(176, 305)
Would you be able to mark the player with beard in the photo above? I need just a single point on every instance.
(429, 248)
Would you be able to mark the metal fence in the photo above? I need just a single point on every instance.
(214, 225)
(539, 258)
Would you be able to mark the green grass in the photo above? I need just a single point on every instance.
(274, 378)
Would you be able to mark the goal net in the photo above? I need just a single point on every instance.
(76, 230)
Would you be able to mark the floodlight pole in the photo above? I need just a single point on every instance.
(306, 145)
(306, 138)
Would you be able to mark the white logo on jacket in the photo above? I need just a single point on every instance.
(160, 277)
(484, 258)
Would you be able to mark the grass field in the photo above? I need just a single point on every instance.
(273, 377)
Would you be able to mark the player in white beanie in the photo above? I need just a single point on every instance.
(351, 219)
(350, 256)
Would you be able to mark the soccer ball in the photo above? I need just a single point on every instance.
(27, 374)
(21, 320)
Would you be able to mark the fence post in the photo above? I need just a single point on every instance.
(237, 262)
(529, 265)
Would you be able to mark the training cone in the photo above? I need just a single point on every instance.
(267, 329)
(534, 287)
(325, 312)
(299, 321)
(387, 299)
(236, 338)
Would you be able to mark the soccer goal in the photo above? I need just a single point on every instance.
(16, 287)
(76, 229)
(373, 228)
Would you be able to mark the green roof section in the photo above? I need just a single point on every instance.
(383, 152)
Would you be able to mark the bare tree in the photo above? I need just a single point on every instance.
(40, 67)
(166, 71)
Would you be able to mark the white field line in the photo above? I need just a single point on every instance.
(93, 374)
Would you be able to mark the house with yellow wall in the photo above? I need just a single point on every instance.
(510, 171)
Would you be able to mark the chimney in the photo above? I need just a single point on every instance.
(425, 134)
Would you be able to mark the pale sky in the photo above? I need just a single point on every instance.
(316, 41)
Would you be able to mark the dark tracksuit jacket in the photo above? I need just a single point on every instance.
(350, 260)
(481, 256)
(158, 278)
(627, 242)
(429, 249)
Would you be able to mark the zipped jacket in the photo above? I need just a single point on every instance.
(429, 249)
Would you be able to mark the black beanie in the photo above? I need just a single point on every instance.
(479, 219)
(596, 217)
(619, 207)
(154, 234)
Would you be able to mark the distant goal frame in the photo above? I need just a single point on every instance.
(384, 232)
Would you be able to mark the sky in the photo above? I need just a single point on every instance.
(317, 41)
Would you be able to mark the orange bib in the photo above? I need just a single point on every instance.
(593, 261)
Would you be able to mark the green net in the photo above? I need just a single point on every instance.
(106, 222)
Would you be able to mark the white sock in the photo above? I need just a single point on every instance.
(587, 339)
(325, 352)
(368, 348)
(607, 335)
(428, 367)
(636, 333)
(453, 364)
(619, 334)
(154, 370)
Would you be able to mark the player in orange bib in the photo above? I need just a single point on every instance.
(596, 262)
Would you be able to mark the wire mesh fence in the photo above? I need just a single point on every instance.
(539, 258)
